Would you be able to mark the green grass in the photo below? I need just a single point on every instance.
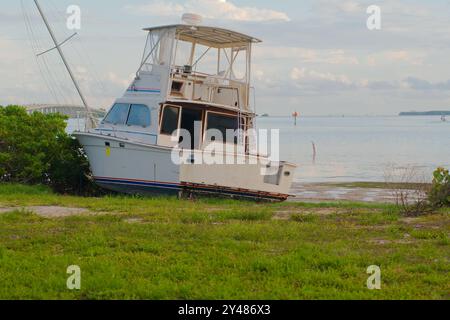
(218, 249)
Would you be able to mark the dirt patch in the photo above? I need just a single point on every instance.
(51, 211)
(419, 223)
(215, 209)
(58, 212)
(286, 214)
(386, 242)
(410, 220)
(134, 220)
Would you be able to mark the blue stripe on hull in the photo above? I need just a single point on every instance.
(140, 183)
(136, 188)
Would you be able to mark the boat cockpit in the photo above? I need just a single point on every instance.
(203, 64)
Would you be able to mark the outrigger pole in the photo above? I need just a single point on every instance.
(91, 122)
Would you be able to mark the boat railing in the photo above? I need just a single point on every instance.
(199, 86)
(187, 84)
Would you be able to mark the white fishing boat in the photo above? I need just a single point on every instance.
(169, 132)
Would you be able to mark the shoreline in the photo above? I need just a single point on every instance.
(370, 192)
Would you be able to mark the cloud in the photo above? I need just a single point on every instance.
(338, 9)
(23, 81)
(8, 51)
(380, 85)
(210, 9)
(118, 81)
(305, 75)
(304, 81)
(312, 81)
(306, 55)
(350, 6)
(159, 8)
(396, 56)
(424, 85)
(325, 53)
(359, 7)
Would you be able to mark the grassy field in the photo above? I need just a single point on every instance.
(135, 248)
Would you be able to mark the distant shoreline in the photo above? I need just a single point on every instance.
(425, 113)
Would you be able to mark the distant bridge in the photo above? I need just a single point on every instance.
(72, 111)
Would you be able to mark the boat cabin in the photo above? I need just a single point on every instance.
(192, 78)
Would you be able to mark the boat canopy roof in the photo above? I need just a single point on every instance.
(208, 36)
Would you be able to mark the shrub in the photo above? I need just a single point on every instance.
(35, 149)
(409, 191)
(439, 194)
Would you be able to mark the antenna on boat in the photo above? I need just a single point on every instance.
(91, 122)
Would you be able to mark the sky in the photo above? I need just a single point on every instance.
(317, 57)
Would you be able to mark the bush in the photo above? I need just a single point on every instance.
(35, 149)
(410, 191)
(439, 194)
(418, 198)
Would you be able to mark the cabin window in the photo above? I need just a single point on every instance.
(139, 116)
(176, 86)
(170, 119)
(190, 121)
(221, 123)
(118, 114)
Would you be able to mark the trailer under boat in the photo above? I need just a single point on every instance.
(191, 89)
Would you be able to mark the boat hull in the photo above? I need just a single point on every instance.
(135, 168)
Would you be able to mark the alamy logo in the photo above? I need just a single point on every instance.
(374, 281)
(228, 148)
(74, 280)
(74, 19)
(374, 20)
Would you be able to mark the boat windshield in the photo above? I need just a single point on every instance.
(118, 114)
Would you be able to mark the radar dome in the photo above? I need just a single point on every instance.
(192, 19)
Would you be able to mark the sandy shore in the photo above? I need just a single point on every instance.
(316, 192)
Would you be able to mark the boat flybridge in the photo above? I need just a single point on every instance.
(170, 131)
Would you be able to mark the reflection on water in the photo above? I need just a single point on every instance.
(356, 148)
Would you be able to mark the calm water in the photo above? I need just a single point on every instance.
(362, 148)
(359, 148)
